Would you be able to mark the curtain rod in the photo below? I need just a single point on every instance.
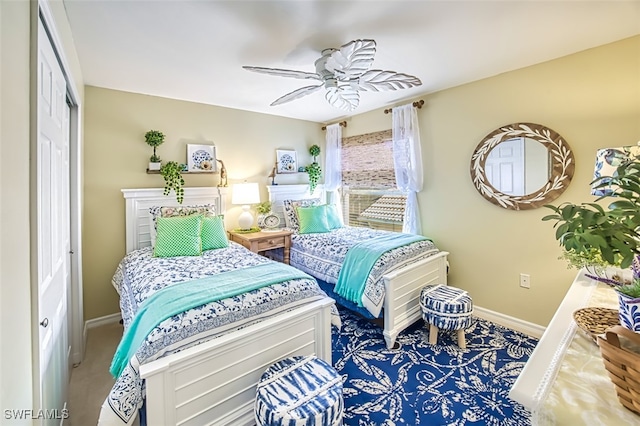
(342, 124)
(417, 104)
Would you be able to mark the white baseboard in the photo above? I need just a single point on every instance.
(97, 322)
(513, 323)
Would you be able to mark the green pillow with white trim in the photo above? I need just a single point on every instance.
(178, 236)
(214, 236)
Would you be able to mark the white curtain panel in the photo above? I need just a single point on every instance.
(407, 158)
(333, 164)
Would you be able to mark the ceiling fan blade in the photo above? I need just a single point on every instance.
(352, 59)
(379, 80)
(296, 94)
(284, 73)
(343, 96)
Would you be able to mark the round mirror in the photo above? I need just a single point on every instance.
(522, 166)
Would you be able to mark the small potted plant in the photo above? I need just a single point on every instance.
(263, 209)
(313, 170)
(173, 180)
(154, 138)
(601, 238)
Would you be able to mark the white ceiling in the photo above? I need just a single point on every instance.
(194, 50)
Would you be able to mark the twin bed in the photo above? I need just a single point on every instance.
(396, 279)
(201, 366)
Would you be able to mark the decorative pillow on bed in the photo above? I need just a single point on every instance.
(333, 218)
(165, 211)
(313, 219)
(290, 214)
(214, 236)
(178, 236)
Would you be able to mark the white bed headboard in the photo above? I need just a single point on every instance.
(138, 202)
(279, 193)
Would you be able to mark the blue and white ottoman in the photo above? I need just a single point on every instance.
(297, 391)
(446, 308)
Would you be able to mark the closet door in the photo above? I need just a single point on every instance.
(52, 232)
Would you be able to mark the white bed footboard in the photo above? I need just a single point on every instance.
(402, 293)
(215, 383)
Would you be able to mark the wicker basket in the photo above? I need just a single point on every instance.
(623, 365)
(595, 320)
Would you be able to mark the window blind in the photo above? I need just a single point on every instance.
(368, 177)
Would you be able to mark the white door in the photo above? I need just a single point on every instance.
(52, 232)
(504, 167)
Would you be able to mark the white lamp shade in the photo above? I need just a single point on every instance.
(245, 193)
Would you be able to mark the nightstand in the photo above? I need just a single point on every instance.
(259, 242)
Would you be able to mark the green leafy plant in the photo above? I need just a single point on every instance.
(314, 150)
(173, 180)
(631, 290)
(154, 138)
(314, 170)
(591, 233)
(264, 207)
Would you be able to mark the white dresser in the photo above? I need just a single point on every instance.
(565, 382)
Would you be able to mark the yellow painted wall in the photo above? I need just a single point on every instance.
(116, 157)
(591, 98)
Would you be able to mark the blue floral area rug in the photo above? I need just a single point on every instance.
(422, 384)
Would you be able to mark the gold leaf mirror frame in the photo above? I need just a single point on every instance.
(562, 166)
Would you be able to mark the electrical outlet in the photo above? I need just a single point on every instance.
(525, 280)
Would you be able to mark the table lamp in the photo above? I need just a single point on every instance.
(245, 194)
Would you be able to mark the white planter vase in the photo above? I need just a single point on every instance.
(629, 312)
(155, 166)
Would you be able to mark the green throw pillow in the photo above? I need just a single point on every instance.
(313, 219)
(213, 234)
(333, 218)
(178, 236)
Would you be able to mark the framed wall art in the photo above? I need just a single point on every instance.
(201, 158)
(287, 161)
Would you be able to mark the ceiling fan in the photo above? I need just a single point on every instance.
(343, 73)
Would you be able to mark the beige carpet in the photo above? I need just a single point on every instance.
(91, 380)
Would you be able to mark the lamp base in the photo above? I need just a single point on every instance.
(245, 220)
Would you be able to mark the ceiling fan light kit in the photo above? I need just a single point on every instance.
(343, 73)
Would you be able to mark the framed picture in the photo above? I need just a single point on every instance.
(287, 161)
(201, 158)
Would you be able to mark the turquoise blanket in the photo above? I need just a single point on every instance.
(180, 297)
(360, 259)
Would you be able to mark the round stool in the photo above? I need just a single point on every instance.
(301, 390)
(446, 308)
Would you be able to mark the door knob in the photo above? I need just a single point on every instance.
(44, 322)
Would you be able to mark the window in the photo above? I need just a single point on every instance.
(370, 197)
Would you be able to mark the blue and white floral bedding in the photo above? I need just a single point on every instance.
(139, 275)
(322, 255)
